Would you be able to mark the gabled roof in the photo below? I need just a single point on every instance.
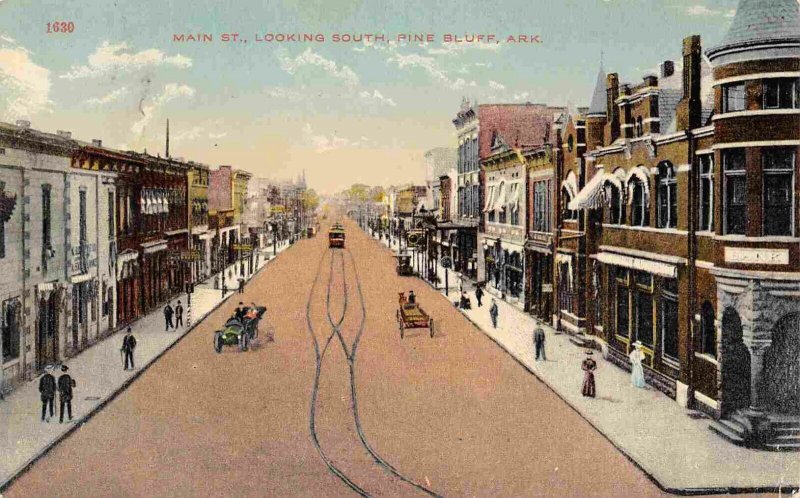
(517, 125)
(598, 103)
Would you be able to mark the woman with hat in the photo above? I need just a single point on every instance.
(588, 366)
(637, 372)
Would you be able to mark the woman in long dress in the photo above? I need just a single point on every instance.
(588, 366)
(637, 371)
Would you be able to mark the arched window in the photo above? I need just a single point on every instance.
(616, 206)
(639, 127)
(667, 196)
(640, 212)
(708, 331)
(566, 212)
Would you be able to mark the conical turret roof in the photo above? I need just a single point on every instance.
(598, 103)
(759, 24)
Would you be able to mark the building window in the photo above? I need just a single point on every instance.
(570, 143)
(733, 97)
(705, 216)
(781, 93)
(616, 208)
(733, 166)
(82, 236)
(667, 196)
(643, 308)
(111, 223)
(566, 213)
(669, 319)
(708, 330)
(502, 214)
(565, 286)
(622, 302)
(47, 243)
(541, 206)
(640, 214)
(639, 127)
(11, 328)
(778, 167)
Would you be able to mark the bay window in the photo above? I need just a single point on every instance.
(778, 181)
(735, 184)
(781, 93)
(705, 217)
(733, 97)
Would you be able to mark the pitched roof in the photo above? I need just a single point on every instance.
(761, 20)
(517, 125)
(598, 103)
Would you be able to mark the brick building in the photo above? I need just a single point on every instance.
(688, 222)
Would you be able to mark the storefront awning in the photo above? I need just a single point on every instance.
(591, 196)
(155, 246)
(77, 279)
(46, 287)
(646, 265)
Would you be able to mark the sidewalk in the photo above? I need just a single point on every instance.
(99, 376)
(680, 453)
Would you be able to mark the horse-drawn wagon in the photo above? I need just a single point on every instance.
(411, 316)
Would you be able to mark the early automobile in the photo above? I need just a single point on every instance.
(240, 332)
(404, 267)
(411, 316)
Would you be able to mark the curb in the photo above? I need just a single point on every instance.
(4, 485)
(648, 474)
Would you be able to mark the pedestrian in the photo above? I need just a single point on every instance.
(168, 312)
(538, 341)
(47, 391)
(128, 346)
(588, 366)
(637, 371)
(241, 311)
(179, 314)
(65, 385)
(412, 298)
(218, 341)
(241, 285)
(493, 312)
(479, 295)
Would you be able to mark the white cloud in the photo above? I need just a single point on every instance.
(310, 58)
(521, 96)
(26, 85)
(171, 92)
(325, 143)
(111, 97)
(108, 58)
(218, 135)
(429, 65)
(377, 98)
(452, 48)
(281, 93)
(702, 10)
(496, 86)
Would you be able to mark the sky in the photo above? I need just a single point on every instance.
(343, 112)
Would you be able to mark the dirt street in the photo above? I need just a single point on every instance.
(451, 415)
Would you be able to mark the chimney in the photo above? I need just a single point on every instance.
(21, 123)
(97, 142)
(667, 69)
(64, 134)
(650, 80)
(612, 109)
(688, 112)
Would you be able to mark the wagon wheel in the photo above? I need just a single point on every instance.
(430, 324)
(402, 329)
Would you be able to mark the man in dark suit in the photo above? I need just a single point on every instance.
(47, 390)
(128, 345)
(65, 385)
(168, 311)
(241, 311)
(179, 315)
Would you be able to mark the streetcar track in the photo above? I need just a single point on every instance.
(350, 355)
(315, 389)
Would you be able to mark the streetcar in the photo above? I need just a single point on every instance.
(336, 236)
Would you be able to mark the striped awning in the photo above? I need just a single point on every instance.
(77, 279)
(46, 287)
(155, 246)
(591, 196)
